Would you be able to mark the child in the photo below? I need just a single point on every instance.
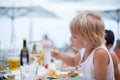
(87, 31)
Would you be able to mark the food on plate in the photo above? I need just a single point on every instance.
(74, 75)
(53, 73)
(70, 74)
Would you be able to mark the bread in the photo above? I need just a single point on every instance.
(2, 66)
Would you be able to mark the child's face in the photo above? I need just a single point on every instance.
(77, 41)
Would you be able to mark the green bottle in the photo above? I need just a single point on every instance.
(24, 56)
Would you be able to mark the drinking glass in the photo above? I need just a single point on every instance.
(40, 59)
(39, 56)
(13, 62)
(29, 72)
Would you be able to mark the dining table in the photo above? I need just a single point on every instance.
(32, 72)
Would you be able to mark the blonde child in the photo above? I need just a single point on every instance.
(87, 31)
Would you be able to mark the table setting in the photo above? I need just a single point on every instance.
(38, 72)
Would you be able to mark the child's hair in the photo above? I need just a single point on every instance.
(90, 27)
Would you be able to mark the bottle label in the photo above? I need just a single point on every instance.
(24, 57)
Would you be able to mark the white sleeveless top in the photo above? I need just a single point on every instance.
(88, 67)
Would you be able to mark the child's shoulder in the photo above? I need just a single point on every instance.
(101, 56)
(101, 49)
(101, 52)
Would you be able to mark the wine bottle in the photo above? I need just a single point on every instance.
(24, 56)
(34, 51)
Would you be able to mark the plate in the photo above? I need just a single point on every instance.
(75, 78)
(50, 77)
(65, 75)
(3, 71)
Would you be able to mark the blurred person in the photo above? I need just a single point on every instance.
(47, 43)
(87, 32)
(110, 38)
(117, 51)
(69, 48)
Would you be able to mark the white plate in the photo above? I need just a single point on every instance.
(75, 78)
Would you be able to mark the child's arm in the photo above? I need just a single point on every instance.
(101, 61)
(69, 60)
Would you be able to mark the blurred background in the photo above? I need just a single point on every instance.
(32, 19)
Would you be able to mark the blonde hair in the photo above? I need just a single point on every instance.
(90, 27)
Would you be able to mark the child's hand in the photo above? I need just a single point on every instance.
(56, 53)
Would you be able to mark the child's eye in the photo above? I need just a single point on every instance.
(74, 36)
